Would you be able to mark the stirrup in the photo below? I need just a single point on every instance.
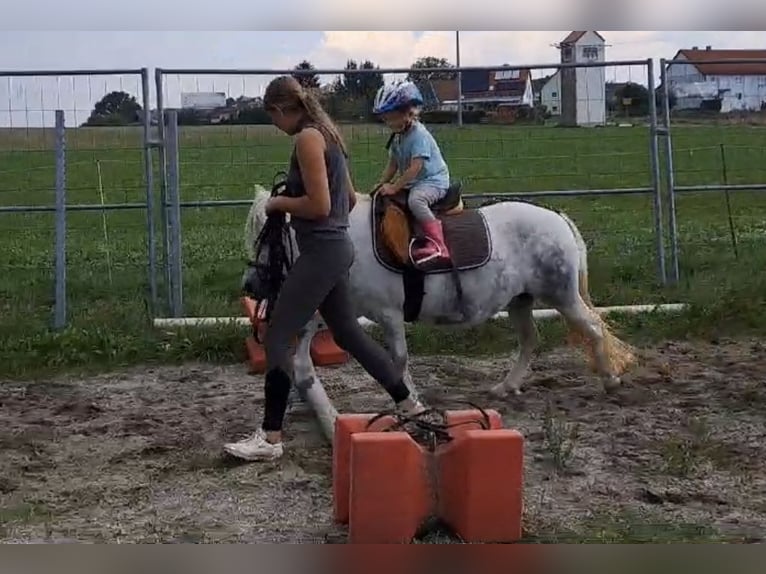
(436, 255)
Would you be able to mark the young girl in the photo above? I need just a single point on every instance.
(415, 156)
(319, 191)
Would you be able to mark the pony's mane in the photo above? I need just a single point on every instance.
(256, 217)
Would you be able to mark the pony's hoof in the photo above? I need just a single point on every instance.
(499, 391)
(612, 384)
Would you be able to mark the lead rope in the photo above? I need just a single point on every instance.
(274, 255)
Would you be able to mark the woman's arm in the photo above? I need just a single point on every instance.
(310, 148)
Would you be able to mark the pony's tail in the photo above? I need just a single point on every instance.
(621, 355)
(582, 271)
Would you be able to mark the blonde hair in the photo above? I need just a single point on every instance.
(287, 94)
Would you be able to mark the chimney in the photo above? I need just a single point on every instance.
(695, 48)
(708, 48)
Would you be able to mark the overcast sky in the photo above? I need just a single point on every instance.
(31, 101)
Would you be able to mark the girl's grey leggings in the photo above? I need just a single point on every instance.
(319, 280)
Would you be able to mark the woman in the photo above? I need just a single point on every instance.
(318, 198)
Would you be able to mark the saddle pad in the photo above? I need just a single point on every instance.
(466, 235)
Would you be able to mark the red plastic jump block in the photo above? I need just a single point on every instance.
(345, 427)
(389, 496)
(324, 350)
(480, 485)
(382, 490)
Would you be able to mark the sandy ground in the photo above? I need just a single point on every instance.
(136, 456)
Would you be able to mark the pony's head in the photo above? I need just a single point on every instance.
(256, 218)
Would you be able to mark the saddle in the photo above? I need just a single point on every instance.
(395, 229)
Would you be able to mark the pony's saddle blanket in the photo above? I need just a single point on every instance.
(465, 233)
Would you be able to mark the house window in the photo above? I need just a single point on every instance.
(506, 75)
(566, 54)
(554, 94)
(590, 52)
(554, 108)
(739, 96)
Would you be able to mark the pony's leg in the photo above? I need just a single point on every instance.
(586, 321)
(304, 373)
(520, 315)
(396, 341)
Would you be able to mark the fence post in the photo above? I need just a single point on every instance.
(174, 215)
(151, 243)
(655, 166)
(163, 183)
(59, 307)
(670, 174)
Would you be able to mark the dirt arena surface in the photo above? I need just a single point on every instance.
(136, 456)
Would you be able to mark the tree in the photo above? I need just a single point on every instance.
(115, 109)
(360, 85)
(431, 62)
(307, 80)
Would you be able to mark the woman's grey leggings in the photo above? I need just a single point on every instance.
(318, 280)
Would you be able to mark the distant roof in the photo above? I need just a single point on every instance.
(699, 57)
(479, 84)
(575, 36)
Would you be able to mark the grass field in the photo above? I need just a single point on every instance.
(107, 283)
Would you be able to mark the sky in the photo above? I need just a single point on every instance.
(30, 102)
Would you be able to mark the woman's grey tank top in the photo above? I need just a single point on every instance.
(336, 221)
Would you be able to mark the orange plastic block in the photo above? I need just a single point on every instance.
(480, 481)
(460, 422)
(345, 426)
(325, 351)
(256, 356)
(382, 490)
(389, 497)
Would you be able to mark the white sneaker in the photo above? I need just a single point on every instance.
(255, 447)
(414, 411)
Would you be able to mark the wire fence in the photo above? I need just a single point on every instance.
(505, 147)
(73, 200)
(153, 212)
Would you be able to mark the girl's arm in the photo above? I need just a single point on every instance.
(310, 149)
(412, 171)
(389, 172)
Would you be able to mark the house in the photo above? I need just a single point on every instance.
(550, 93)
(696, 82)
(582, 90)
(488, 89)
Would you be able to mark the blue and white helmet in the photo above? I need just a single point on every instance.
(397, 96)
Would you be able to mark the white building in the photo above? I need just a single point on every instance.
(582, 91)
(693, 80)
(550, 94)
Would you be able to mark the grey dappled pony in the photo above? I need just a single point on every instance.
(537, 254)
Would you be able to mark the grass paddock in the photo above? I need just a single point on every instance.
(107, 253)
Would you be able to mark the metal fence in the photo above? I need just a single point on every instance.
(84, 199)
(86, 183)
(712, 153)
(217, 166)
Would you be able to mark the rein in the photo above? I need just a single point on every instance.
(274, 254)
